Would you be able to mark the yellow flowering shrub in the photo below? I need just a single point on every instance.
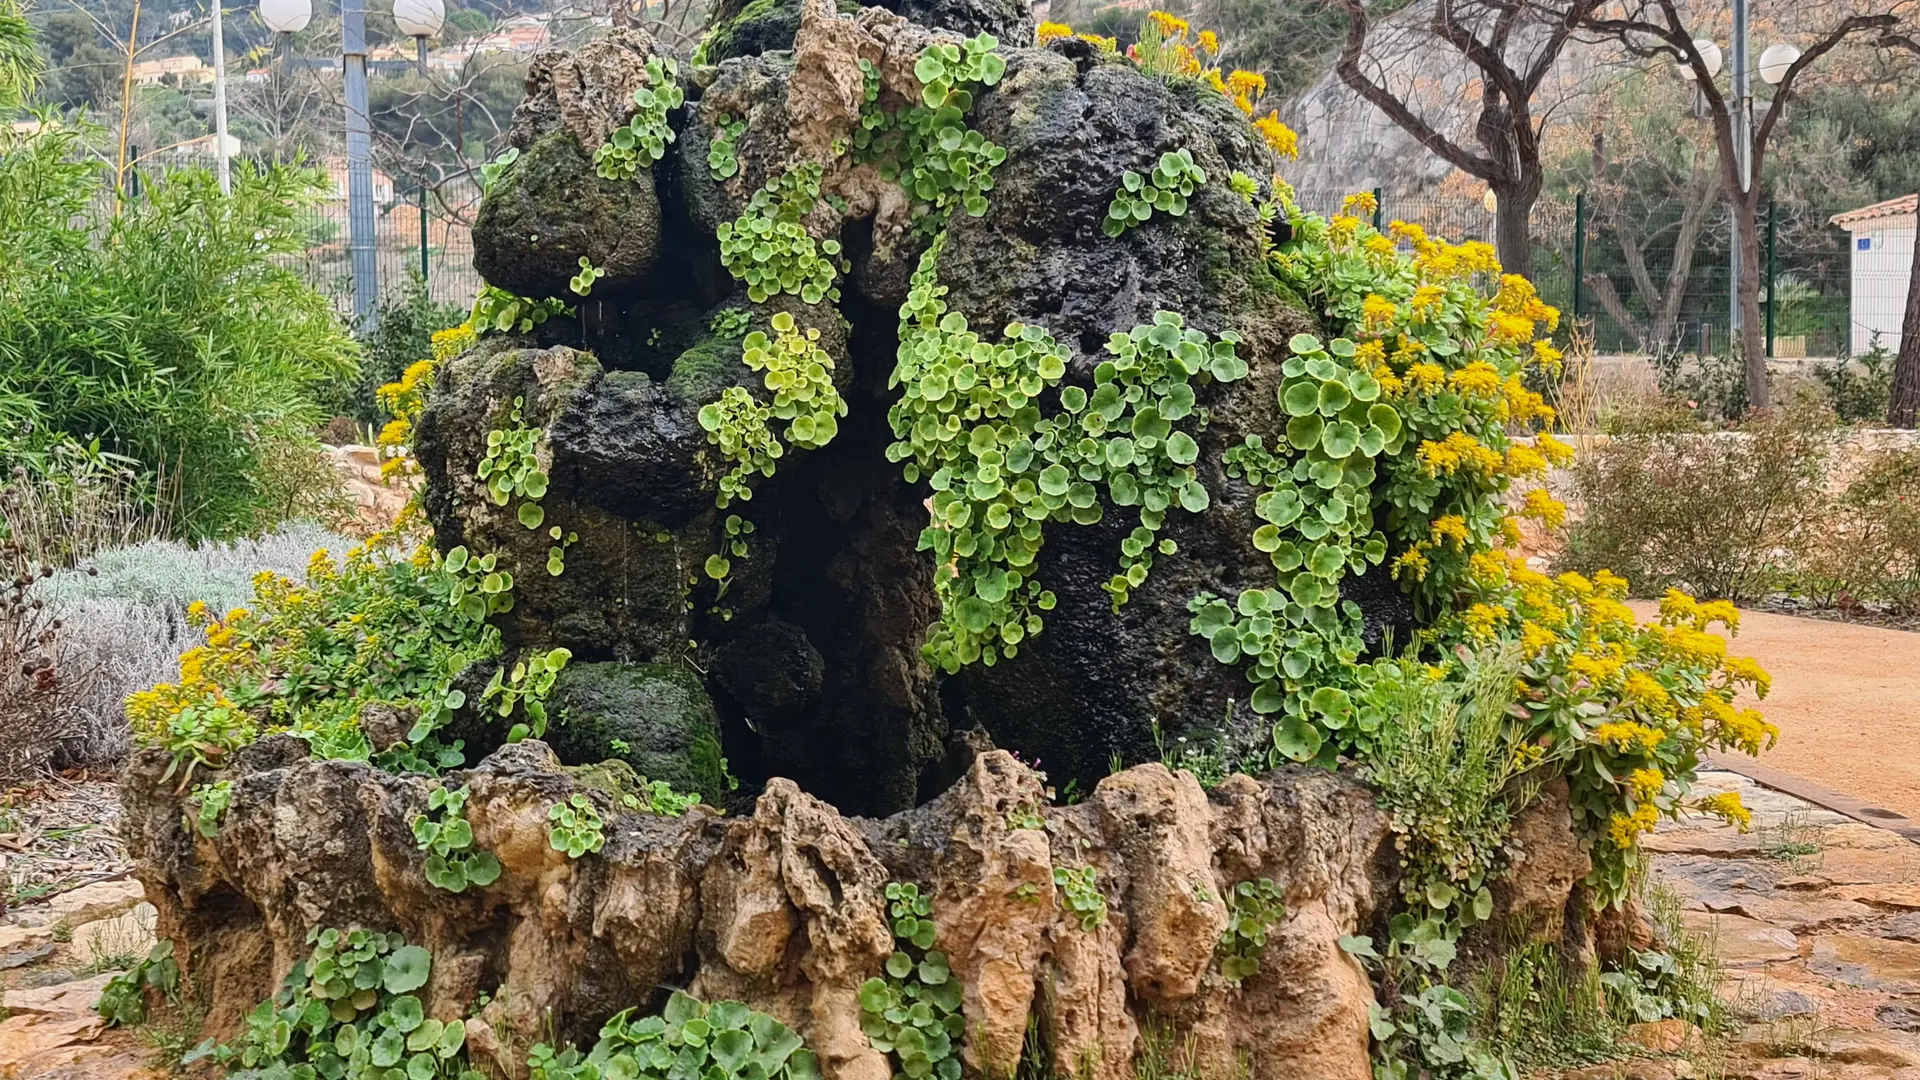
(1625, 710)
(310, 657)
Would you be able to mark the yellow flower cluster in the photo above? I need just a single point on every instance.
(1478, 379)
(1541, 506)
(1450, 529)
(1625, 829)
(1484, 621)
(1280, 138)
(1104, 44)
(1051, 31)
(1457, 451)
(1727, 807)
(1622, 736)
(1361, 203)
(1170, 26)
(1377, 310)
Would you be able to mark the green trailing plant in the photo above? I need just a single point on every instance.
(968, 422)
(557, 551)
(1080, 894)
(490, 172)
(350, 1010)
(1427, 1030)
(574, 826)
(1256, 907)
(480, 586)
(453, 862)
(497, 310)
(582, 282)
(525, 689)
(913, 1012)
(644, 138)
(209, 802)
(769, 248)
(123, 1001)
(1166, 189)
(928, 147)
(721, 1041)
(722, 163)
(798, 374)
(730, 322)
(663, 801)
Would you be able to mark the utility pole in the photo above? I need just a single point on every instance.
(1743, 154)
(221, 167)
(353, 48)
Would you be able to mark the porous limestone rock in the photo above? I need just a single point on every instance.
(784, 906)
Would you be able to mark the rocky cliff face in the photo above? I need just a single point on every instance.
(784, 907)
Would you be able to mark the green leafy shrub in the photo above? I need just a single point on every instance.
(1867, 548)
(1859, 391)
(123, 1001)
(525, 688)
(575, 826)
(452, 861)
(687, 1039)
(170, 327)
(400, 334)
(1723, 515)
(1167, 188)
(369, 632)
(1256, 906)
(644, 138)
(913, 1013)
(350, 1010)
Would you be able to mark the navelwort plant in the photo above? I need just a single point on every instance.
(349, 1011)
(575, 826)
(928, 148)
(729, 322)
(1167, 188)
(444, 833)
(718, 565)
(1256, 908)
(496, 309)
(526, 688)
(582, 282)
(644, 138)
(511, 467)
(1080, 894)
(969, 422)
(688, 1040)
(913, 1012)
(799, 375)
(722, 164)
(769, 248)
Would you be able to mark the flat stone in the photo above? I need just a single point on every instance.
(1859, 866)
(23, 957)
(1644, 1069)
(27, 1041)
(66, 999)
(1868, 962)
(1795, 912)
(1904, 928)
(1855, 836)
(116, 938)
(1898, 1017)
(18, 937)
(1902, 895)
(1720, 840)
(99, 900)
(1886, 1049)
(1740, 941)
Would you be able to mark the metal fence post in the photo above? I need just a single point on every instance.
(423, 221)
(1579, 251)
(1378, 209)
(1773, 267)
(132, 179)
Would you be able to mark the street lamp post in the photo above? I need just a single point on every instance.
(420, 20)
(221, 168)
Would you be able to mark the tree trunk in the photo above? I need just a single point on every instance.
(1753, 341)
(1905, 403)
(1511, 236)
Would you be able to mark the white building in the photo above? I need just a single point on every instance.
(1882, 246)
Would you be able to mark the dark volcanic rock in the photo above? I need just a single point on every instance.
(550, 209)
(655, 717)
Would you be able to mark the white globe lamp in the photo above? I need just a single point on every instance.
(1709, 58)
(1490, 201)
(286, 16)
(419, 18)
(1776, 61)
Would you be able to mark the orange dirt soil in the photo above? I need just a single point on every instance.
(1846, 698)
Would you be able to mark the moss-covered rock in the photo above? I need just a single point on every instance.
(550, 209)
(656, 718)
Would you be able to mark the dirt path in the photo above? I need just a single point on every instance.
(1847, 700)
